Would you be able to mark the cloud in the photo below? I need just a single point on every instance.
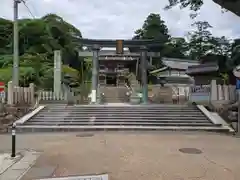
(120, 18)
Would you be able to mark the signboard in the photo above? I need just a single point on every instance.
(200, 93)
(2, 86)
(94, 177)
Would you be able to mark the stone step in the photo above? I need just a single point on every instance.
(123, 109)
(118, 120)
(119, 117)
(124, 118)
(121, 106)
(130, 115)
(41, 128)
(190, 113)
(118, 123)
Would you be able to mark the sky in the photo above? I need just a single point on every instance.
(118, 19)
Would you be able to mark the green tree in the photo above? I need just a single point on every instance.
(38, 38)
(153, 28)
(177, 47)
(235, 54)
(221, 46)
(200, 40)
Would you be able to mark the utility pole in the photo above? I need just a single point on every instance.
(15, 75)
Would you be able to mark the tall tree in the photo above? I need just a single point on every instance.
(221, 46)
(235, 54)
(200, 38)
(177, 47)
(153, 28)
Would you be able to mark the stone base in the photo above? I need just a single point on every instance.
(135, 100)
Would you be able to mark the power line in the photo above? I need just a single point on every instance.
(24, 2)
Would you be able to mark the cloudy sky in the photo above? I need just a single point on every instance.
(119, 18)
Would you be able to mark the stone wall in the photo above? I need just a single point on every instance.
(9, 114)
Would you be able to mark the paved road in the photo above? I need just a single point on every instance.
(139, 156)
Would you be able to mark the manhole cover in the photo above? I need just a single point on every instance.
(85, 135)
(190, 151)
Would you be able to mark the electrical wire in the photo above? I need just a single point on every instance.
(30, 12)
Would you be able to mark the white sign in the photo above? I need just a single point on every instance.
(94, 177)
(2, 94)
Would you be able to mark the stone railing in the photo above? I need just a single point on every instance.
(50, 95)
(20, 95)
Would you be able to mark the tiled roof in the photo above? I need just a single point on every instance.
(175, 63)
(203, 68)
(178, 80)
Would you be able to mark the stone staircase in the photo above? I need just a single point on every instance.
(114, 94)
(118, 117)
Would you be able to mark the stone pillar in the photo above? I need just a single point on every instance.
(57, 73)
(214, 91)
(95, 70)
(144, 65)
(10, 93)
(220, 92)
(226, 92)
(32, 93)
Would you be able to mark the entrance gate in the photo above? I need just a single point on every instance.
(102, 75)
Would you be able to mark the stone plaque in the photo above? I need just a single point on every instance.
(89, 177)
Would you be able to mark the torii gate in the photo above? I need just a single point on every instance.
(95, 45)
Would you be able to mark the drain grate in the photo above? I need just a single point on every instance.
(190, 151)
(85, 135)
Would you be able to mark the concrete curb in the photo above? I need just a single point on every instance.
(18, 170)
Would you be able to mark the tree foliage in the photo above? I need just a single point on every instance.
(153, 28)
(193, 5)
(199, 43)
(38, 38)
(200, 39)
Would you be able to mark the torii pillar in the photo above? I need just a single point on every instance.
(144, 79)
(95, 70)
